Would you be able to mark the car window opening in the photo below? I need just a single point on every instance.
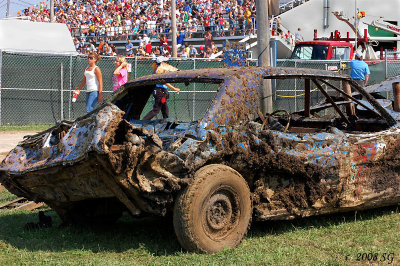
(322, 105)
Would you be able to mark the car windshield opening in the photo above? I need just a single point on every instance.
(187, 105)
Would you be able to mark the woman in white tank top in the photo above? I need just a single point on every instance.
(94, 82)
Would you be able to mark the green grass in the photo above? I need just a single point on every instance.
(325, 240)
(6, 196)
(25, 127)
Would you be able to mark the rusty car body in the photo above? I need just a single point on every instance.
(108, 161)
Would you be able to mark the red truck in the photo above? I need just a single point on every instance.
(323, 50)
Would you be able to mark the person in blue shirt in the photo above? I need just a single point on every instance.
(359, 70)
(180, 38)
(129, 48)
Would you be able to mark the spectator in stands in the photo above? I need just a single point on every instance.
(221, 24)
(94, 82)
(141, 41)
(202, 53)
(298, 37)
(101, 47)
(186, 49)
(231, 19)
(76, 44)
(163, 40)
(180, 38)
(241, 23)
(185, 54)
(289, 38)
(146, 39)
(148, 48)
(206, 23)
(193, 51)
(140, 51)
(108, 50)
(209, 52)
(114, 49)
(208, 39)
(248, 20)
(278, 26)
(120, 75)
(157, 51)
(165, 50)
(214, 48)
(81, 44)
(91, 48)
(129, 48)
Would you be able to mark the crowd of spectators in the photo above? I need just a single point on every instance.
(147, 49)
(130, 18)
(140, 19)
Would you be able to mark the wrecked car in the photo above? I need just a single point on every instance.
(216, 173)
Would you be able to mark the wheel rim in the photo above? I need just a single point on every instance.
(220, 213)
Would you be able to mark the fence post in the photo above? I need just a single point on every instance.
(295, 90)
(194, 91)
(1, 68)
(70, 87)
(62, 92)
(386, 64)
(135, 66)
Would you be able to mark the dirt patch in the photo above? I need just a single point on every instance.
(10, 139)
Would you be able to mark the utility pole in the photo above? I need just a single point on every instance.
(173, 22)
(8, 8)
(51, 10)
(355, 23)
(263, 48)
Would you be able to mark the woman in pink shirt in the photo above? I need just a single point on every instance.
(120, 75)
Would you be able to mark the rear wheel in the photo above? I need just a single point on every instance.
(214, 211)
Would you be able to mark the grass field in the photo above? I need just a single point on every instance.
(338, 239)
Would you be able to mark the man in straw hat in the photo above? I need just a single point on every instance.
(160, 92)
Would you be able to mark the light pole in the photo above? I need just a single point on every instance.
(355, 22)
(51, 10)
(173, 22)
(263, 48)
(8, 8)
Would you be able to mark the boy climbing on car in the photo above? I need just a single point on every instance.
(161, 93)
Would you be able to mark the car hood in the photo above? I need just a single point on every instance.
(64, 143)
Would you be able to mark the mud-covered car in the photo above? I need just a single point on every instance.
(217, 173)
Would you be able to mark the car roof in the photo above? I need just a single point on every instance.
(221, 74)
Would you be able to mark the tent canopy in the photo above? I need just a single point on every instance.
(35, 37)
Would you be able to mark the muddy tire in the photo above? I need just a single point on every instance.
(214, 211)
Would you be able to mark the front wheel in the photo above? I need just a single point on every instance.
(214, 211)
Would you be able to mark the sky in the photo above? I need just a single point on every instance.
(17, 5)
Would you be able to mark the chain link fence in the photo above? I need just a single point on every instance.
(37, 89)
